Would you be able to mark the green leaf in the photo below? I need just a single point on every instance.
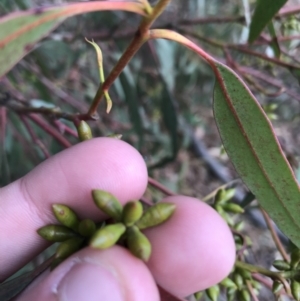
(19, 32)
(169, 116)
(265, 10)
(131, 98)
(251, 144)
(274, 44)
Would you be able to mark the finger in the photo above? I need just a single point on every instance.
(193, 250)
(68, 178)
(93, 275)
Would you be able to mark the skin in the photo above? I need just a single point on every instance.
(192, 251)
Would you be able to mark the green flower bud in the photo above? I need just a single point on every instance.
(281, 265)
(198, 295)
(156, 215)
(225, 216)
(56, 233)
(238, 280)
(234, 208)
(138, 243)
(108, 203)
(295, 288)
(222, 196)
(68, 247)
(244, 273)
(132, 212)
(239, 226)
(213, 292)
(244, 295)
(277, 286)
(295, 258)
(228, 283)
(107, 236)
(230, 294)
(84, 131)
(86, 227)
(66, 216)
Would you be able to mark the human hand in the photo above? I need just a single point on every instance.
(190, 252)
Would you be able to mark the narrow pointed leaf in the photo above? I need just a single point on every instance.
(251, 144)
(265, 10)
(19, 32)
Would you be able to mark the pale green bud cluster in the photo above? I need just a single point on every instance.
(125, 225)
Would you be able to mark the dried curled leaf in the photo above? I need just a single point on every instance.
(156, 215)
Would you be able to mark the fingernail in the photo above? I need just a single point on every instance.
(86, 281)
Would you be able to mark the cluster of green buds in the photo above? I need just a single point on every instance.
(125, 225)
(225, 207)
(235, 286)
(290, 271)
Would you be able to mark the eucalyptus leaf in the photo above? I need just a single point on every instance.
(265, 10)
(19, 32)
(251, 144)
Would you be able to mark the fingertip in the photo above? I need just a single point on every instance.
(193, 250)
(111, 274)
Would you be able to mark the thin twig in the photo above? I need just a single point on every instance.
(275, 237)
(50, 130)
(251, 291)
(133, 47)
(160, 187)
(34, 137)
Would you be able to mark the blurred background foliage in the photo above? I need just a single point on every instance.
(162, 100)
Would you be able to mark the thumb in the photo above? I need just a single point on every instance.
(106, 275)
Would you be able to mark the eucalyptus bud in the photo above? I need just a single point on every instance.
(84, 131)
(281, 265)
(239, 226)
(245, 274)
(56, 233)
(108, 203)
(66, 216)
(295, 288)
(132, 212)
(198, 295)
(213, 292)
(222, 196)
(156, 215)
(295, 258)
(228, 283)
(68, 247)
(230, 294)
(244, 295)
(138, 243)
(277, 286)
(107, 236)
(234, 208)
(86, 227)
(238, 280)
